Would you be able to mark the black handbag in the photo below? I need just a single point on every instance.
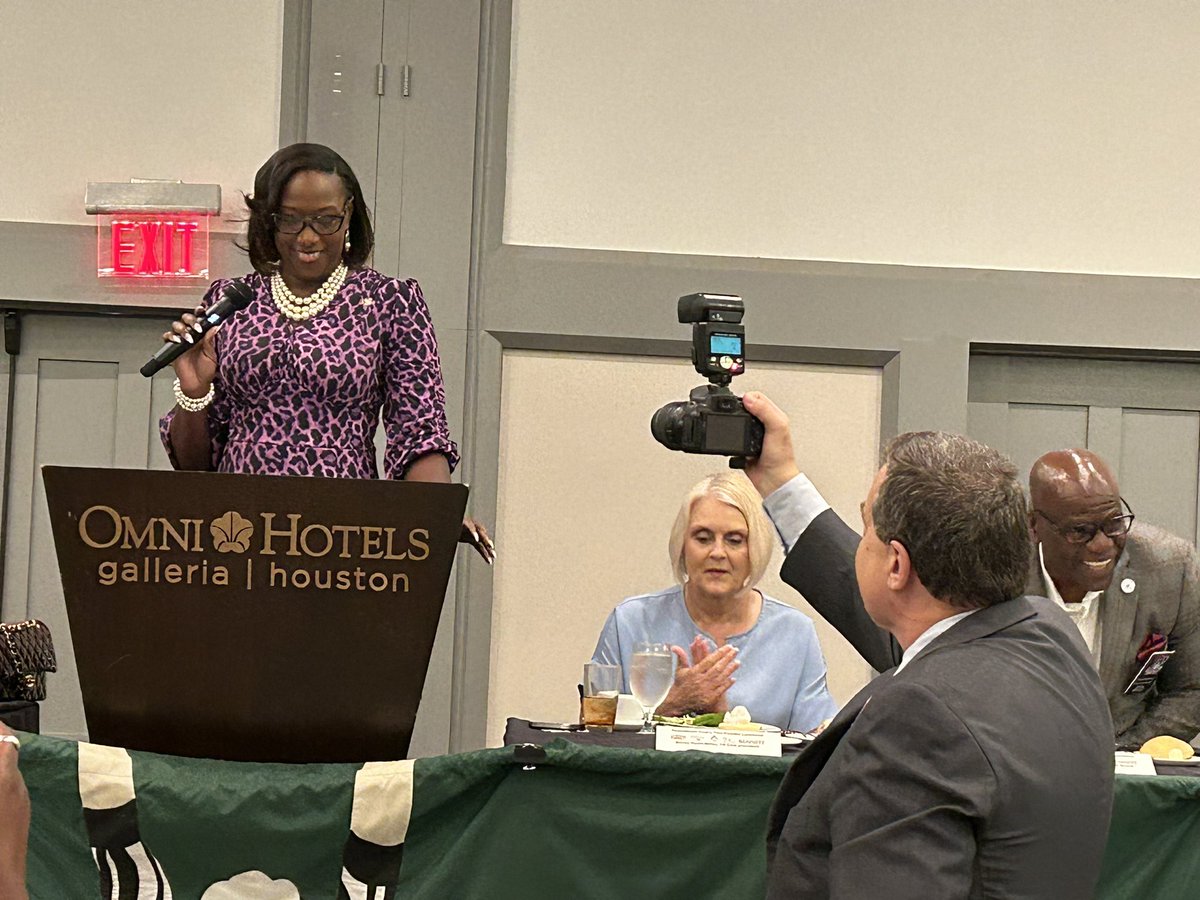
(26, 655)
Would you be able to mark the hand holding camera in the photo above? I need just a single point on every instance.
(776, 464)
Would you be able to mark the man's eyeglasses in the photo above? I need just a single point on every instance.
(286, 223)
(1082, 533)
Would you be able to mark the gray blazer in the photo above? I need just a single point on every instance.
(1163, 576)
(983, 769)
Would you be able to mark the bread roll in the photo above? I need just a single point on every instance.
(1164, 747)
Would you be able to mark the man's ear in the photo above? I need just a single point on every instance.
(900, 569)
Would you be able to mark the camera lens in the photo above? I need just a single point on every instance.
(667, 425)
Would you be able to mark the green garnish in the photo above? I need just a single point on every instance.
(708, 720)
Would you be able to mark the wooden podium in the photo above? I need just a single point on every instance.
(252, 617)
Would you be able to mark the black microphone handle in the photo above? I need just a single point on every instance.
(236, 296)
(166, 355)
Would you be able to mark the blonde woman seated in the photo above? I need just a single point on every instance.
(744, 648)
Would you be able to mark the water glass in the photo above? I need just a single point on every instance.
(652, 673)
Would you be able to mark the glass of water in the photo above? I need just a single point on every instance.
(652, 673)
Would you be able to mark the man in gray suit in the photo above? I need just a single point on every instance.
(1131, 593)
(981, 765)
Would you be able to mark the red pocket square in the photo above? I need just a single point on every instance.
(1154, 642)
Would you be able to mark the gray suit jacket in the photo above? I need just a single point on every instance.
(983, 769)
(1163, 576)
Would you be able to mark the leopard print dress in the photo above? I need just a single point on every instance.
(304, 398)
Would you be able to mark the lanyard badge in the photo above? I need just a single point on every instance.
(1145, 677)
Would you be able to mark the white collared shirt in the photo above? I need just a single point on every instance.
(1085, 614)
(927, 636)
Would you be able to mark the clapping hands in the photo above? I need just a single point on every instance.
(701, 682)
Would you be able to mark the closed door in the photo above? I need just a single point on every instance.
(1142, 417)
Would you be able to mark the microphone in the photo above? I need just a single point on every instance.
(237, 295)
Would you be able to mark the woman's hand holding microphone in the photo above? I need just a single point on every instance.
(197, 368)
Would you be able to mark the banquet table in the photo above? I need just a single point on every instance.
(557, 819)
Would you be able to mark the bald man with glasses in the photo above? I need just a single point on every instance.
(1133, 591)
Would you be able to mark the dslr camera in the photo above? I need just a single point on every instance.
(712, 419)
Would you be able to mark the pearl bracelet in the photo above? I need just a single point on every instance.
(193, 404)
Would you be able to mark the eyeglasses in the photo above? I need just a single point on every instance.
(1117, 526)
(286, 223)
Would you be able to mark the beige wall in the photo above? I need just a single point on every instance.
(1011, 134)
(110, 91)
(587, 498)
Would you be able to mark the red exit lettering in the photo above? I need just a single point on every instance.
(153, 247)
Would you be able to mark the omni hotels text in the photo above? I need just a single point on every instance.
(104, 528)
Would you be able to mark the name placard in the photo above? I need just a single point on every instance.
(1135, 763)
(718, 740)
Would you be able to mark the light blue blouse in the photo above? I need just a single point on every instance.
(781, 679)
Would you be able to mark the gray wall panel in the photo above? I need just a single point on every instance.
(427, 149)
(1160, 459)
(1036, 429)
(1090, 382)
(76, 426)
(343, 106)
(1105, 429)
(988, 422)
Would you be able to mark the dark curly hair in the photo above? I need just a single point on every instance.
(960, 511)
(269, 183)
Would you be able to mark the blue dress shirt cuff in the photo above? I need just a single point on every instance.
(792, 507)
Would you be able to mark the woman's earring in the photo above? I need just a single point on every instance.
(346, 246)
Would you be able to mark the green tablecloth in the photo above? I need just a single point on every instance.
(583, 822)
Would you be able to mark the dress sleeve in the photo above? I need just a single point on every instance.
(414, 403)
(812, 703)
(608, 648)
(218, 410)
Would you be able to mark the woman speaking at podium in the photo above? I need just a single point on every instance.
(294, 383)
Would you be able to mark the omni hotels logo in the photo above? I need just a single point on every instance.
(274, 552)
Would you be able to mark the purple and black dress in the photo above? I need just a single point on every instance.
(304, 398)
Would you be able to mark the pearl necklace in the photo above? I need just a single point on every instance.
(300, 308)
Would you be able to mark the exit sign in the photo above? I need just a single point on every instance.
(154, 229)
(152, 246)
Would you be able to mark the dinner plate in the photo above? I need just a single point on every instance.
(788, 740)
(1194, 761)
(767, 729)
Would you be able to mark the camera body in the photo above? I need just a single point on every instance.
(712, 420)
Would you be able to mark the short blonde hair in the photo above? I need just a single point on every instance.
(734, 489)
